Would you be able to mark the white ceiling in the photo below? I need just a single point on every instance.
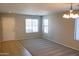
(35, 8)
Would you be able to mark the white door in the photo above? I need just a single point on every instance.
(8, 24)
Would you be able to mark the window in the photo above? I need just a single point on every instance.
(31, 25)
(77, 29)
(45, 25)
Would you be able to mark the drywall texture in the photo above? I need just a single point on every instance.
(8, 26)
(62, 31)
(20, 27)
(45, 35)
(0, 29)
(13, 26)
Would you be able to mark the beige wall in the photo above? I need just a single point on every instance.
(62, 31)
(0, 29)
(20, 28)
(45, 35)
(8, 26)
(13, 26)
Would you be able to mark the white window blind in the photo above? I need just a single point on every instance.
(77, 29)
(31, 25)
(45, 25)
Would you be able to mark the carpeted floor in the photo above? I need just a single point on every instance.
(42, 47)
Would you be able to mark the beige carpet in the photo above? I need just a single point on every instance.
(42, 47)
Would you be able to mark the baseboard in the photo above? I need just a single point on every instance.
(55, 42)
(65, 45)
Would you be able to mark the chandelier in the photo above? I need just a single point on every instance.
(70, 14)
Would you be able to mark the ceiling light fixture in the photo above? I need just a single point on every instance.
(71, 14)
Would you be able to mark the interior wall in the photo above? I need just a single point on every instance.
(8, 26)
(0, 29)
(20, 27)
(45, 35)
(61, 31)
(13, 26)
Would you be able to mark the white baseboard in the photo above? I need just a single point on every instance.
(65, 45)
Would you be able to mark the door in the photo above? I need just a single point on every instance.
(8, 24)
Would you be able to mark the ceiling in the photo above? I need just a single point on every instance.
(35, 8)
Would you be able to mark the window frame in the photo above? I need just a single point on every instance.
(45, 25)
(32, 31)
(75, 29)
